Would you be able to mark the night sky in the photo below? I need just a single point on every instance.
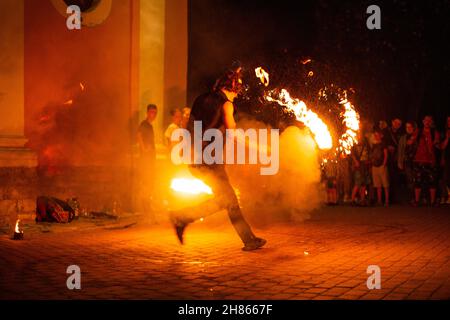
(401, 70)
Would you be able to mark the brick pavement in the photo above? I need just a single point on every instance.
(411, 245)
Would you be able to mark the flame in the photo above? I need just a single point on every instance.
(44, 118)
(318, 128)
(82, 86)
(351, 122)
(262, 75)
(190, 186)
(306, 61)
(17, 230)
(68, 102)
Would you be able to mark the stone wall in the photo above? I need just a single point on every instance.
(18, 191)
(108, 73)
(97, 189)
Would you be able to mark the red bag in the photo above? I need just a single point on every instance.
(50, 209)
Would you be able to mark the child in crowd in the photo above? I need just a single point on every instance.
(330, 173)
(380, 176)
(361, 170)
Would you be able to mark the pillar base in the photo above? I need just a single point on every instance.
(14, 154)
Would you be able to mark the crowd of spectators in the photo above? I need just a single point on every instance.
(399, 163)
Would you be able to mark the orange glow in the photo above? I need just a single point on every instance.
(68, 102)
(82, 86)
(44, 118)
(190, 186)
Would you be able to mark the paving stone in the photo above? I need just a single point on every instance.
(146, 262)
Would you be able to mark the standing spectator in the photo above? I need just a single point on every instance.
(406, 150)
(445, 163)
(382, 125)
(425, 166)
(369, 136)
(330, 171)
(394, 133)
(185, 118)
(146, 136)
(344, 178)
(379, 158)
(177, 118)
(361, 170)
(392, 138)
(146, 141)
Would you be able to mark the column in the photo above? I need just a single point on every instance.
(12, 140)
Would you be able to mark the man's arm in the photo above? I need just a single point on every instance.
(390, 142)
(228, 114)
(230, 123)
(140, 141)
(401, 152)
(385, 156)
(445, 141)
(437, 139)
(355, 160)
(168, 136)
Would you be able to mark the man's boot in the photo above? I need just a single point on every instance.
(254, 244)
(179, 225)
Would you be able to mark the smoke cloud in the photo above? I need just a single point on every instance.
(289, 195)
(85, 128)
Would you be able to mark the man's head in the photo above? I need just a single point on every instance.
(186, 115)
(410, 127)
(152, 111)
(177, 116)
(366, 127)
(396, 124)
(186, 112)
(378, 134)
(427, 121)
(230, 82)
(382, 124)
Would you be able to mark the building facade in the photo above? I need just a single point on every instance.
(71, 100)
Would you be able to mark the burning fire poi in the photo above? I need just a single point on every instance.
(190, 186)
(262, 75)
(351, 122)
(318, 128)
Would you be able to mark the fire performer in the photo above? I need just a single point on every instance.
(216, 110)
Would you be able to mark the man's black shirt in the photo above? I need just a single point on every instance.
(148, 137)
(208, 109)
